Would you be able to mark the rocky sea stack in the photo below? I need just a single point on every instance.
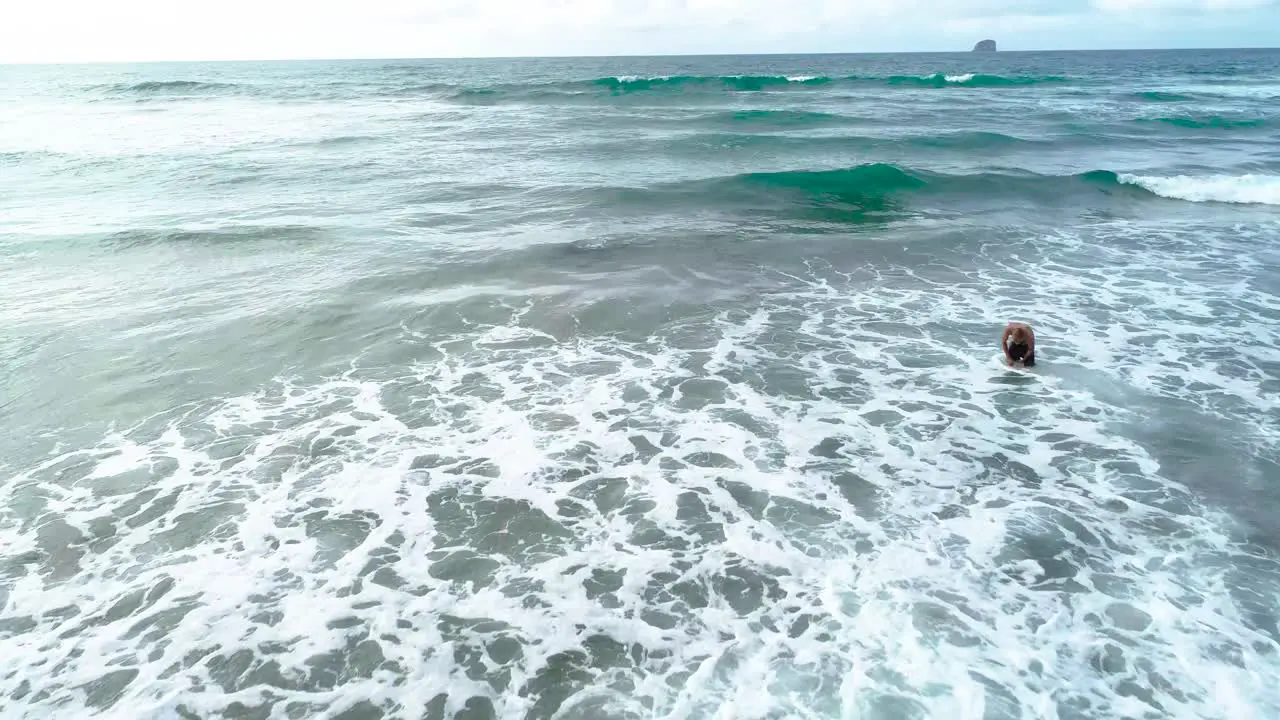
(985, 46)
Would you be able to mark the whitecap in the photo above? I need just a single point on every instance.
(1242, 189)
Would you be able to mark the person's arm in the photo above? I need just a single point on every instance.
(1004, 341)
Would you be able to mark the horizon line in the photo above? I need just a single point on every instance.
(407, 58)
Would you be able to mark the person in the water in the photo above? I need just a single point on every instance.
(1019, 345)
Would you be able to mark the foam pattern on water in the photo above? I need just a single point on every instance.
(829, 502)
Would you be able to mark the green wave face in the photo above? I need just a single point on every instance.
(1210, 122)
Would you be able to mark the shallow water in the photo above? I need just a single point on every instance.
(632, 388)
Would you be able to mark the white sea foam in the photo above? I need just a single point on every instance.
(1242, 189)
(641, 78)
(817, 505)
(964, 78)
(801, 78)
(1248, 92)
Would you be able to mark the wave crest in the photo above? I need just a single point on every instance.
(176, 87)
(755, 82)
(1238, 189)
(878, 191)
(940, 80)
(622, 85)
(860, 181)
(635, 83)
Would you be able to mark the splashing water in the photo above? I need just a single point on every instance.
(807, 507)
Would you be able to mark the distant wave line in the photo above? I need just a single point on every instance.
(613, 85)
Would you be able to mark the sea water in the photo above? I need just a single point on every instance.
(641, 388)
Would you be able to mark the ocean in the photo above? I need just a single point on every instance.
(624, 388)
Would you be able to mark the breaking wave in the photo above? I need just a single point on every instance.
(687, 84)
(940, 80)
(880, 180)
(631, 83)
(1239, 189)
(562, 91)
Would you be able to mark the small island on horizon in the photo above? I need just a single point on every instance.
(985, 46)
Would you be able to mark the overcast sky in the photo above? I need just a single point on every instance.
(135, 30)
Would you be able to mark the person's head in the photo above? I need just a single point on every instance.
(1019, 344)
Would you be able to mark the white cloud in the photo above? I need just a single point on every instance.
(1002, 25)
(1168, 5)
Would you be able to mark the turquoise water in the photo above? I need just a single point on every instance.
(641, 388)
